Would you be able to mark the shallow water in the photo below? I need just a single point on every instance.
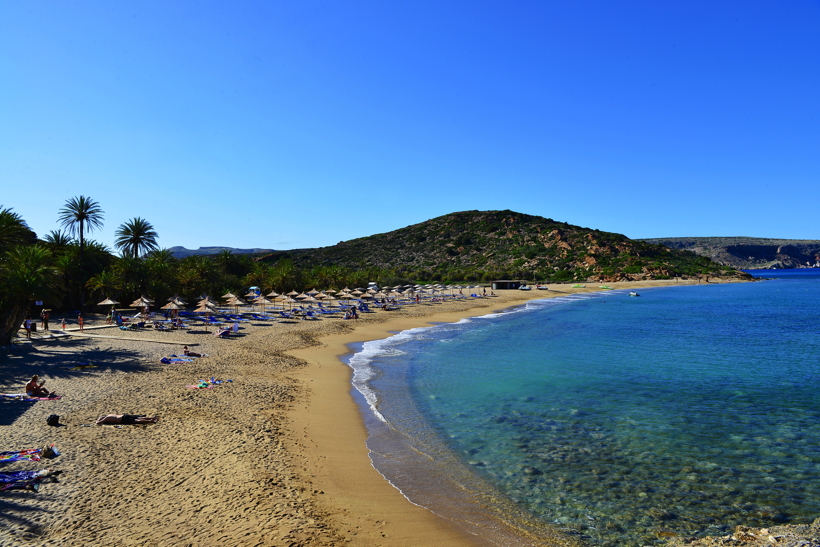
(688, 410)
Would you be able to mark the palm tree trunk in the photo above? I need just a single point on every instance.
(82, 265)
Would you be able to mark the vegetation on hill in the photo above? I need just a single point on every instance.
(486, 245)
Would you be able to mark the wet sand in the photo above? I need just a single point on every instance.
(276, 457)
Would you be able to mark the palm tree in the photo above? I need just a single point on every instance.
(105, 283)
(136, 237)
(57, 240)
(81, 213)
(13, 230)
(26, 275)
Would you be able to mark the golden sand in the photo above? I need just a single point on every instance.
(276, 457)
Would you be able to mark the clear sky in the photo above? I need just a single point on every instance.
(301, 124)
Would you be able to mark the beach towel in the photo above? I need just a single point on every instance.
(19, 476)
(32, 455)
(208, 384)
(168, 360)
(82, 366)
(24, 397)
(20, 485)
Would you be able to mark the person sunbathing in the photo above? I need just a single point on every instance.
(189, 353)
(127, 419)
(33, 389)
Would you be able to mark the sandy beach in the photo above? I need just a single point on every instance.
(275, 457)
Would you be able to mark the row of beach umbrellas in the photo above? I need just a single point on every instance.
(208, 305)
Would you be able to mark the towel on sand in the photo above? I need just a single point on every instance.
(24, 397)
(208, 384)
(32, 455)
(19, 476)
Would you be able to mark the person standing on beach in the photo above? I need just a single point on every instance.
(63, 324)
(80, 321)
(27, 326)
(45, 315)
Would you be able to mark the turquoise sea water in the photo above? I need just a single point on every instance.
(624, 421)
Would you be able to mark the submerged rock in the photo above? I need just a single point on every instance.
(790, 535)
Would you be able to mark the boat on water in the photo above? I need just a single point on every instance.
(633, 293)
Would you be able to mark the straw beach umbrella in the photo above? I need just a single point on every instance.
(143, 304)
(173, 307)
(262, 301)
(207, 311)
(236, 302)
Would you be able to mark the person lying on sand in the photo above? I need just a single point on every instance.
(126, 419)
(188, 353)
(33, 389)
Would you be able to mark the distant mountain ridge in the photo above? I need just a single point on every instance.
(182, 252)
(482, 245)
(749, 253)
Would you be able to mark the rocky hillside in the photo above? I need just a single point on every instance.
(482, 245)
(748, 252)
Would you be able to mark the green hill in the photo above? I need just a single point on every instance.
(484, 245)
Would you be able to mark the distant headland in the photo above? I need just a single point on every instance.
(182, 252)
(749, 253)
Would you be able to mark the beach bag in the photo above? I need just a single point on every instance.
(53, 419)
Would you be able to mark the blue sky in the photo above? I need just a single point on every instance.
(301, 124)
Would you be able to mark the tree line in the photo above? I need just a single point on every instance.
(67, 271)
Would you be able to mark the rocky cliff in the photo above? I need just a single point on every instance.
(749, 253)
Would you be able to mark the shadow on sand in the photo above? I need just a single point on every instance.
(66, 358)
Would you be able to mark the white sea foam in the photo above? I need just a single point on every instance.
(362, 364)
(362, 361)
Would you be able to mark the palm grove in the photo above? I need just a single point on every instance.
(68, 271)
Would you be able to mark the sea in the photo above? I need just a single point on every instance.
(607, 418)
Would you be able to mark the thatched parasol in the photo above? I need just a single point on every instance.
(262, 301)
(108, 302)
(141, 302)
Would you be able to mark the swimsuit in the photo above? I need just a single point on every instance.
(130, 419)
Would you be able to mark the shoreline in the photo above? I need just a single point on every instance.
(333, 432)
(277, 457)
